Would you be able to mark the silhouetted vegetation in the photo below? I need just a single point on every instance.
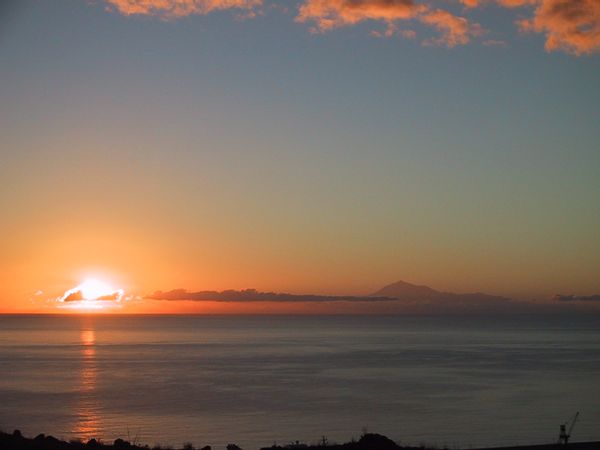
(368, 441)
(16, 441)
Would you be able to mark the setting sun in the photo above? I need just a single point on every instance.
(92, 289)
(91, 294)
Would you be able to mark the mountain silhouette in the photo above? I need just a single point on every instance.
(433, 300)
(402, 289)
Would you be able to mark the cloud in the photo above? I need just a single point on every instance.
(252, 295)
(400, 292)
(470, 3)
(572, 26)
(494, 43)
(454, 30)
(178, 8)
(516, 3)
(408, 34)
(399, 297)
(77, 296)
(330, 14)
(505, 3)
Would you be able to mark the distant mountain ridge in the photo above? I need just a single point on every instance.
(403, 291)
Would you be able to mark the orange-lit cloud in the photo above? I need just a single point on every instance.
(470, 3)
(516, 3)
(178, 8)
(505, 3)
(572, 26)
(454, 30)
(569, 25)
(329, 14)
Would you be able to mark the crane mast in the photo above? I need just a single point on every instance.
(565, 435)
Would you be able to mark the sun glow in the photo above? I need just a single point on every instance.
(92, 289)
(92, 294)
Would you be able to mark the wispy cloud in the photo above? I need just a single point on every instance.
(470, 3)
(178, 8)
(454, 30)
(515, 3)
(494, 43)
(571, 26)
(329, 14)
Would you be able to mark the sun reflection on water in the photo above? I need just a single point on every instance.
(87, 408)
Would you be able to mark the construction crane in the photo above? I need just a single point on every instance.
(563, 437)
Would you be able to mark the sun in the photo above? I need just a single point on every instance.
(91, 294)
(92, 289)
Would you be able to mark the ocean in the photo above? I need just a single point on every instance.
(467, 381)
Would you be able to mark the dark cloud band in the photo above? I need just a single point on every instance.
(251, 295)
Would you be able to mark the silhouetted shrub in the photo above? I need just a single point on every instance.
(373, 441)
(121, 444)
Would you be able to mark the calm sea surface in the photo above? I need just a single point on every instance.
(455, 381)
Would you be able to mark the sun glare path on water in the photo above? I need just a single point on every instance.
(91, 295)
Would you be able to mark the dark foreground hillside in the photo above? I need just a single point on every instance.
(368, 441)
(16, 441)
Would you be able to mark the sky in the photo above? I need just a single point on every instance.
(325, 147)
